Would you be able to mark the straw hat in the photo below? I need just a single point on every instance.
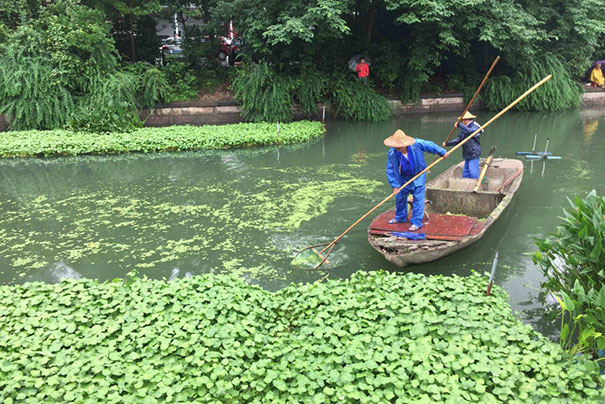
(399, 139)
(467, 115)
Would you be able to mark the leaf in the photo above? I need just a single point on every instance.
(596, 250)
(600, 300)
(564, 332)
(569, 303)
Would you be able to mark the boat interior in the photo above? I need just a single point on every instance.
(449, 193)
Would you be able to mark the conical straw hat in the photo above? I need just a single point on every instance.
(467, 115)
(399, 139)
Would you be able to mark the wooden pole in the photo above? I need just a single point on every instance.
(486, 164)
(472, 99)
(498, 115)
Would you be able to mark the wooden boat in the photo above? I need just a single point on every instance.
(455, 216)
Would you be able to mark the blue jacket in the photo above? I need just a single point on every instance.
(471, 149)
(394, 176)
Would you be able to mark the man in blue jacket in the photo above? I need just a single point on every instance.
(405, 160)
(471, 150)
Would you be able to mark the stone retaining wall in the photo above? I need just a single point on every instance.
(594, 98)
(198, 113)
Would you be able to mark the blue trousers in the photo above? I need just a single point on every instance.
(401, 205)
(471, 169)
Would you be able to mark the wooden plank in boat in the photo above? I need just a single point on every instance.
(438, 227)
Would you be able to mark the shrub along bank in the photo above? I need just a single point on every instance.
(573, 260)
(376, 338)
(62, 142)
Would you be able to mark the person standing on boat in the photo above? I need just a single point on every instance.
(405, 160)
(471, 150)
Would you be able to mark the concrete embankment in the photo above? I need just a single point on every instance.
(198, 113)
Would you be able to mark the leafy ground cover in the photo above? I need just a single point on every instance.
(375, 338)
(63, 142)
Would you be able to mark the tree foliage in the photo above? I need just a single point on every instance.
(417, 44)
(61, 68)
(50, 63)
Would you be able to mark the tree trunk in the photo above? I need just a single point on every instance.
(133, 56)
(370, 21)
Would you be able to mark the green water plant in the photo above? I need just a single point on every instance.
(375, 338)
(63, 142)
(573, 262)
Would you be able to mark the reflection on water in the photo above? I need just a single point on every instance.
(53, 273)
(248, 211)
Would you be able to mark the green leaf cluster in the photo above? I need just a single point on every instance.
(63, 142)
(375, 338)
(357, 101)
(418, 45)
(267, 95)
(61, 70)
(559, 93)
(264, 95)
(573, 262)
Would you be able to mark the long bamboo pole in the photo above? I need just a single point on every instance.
(468, 106)
(486, 164)
(395, 192)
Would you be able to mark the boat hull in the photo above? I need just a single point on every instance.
(448, 192)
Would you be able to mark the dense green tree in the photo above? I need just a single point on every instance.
(133, 25)
(14, 13)
(575, 29)
(285, 32)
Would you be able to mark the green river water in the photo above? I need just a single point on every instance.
(248, 211)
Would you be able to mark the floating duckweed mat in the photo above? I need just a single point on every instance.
(63, 142)
(215, 339)
(220, 215)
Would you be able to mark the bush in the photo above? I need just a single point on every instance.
(264, 95)
(311, 87)
(182, 82)
(573, 262)
(561, 92)
(357, 101)
(377, 338)
(32, 93)
(110, 107)
(62, 69)
(150, 85)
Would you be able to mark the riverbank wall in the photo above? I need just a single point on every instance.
(198, 113)
(224, 112)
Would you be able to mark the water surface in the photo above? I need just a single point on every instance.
(171, 215)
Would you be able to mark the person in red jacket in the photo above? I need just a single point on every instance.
(363, 70)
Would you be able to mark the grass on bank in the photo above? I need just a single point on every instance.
(63, 142)
(375, 338)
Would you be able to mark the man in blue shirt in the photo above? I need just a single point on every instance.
(471, 150)
(405, 160)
